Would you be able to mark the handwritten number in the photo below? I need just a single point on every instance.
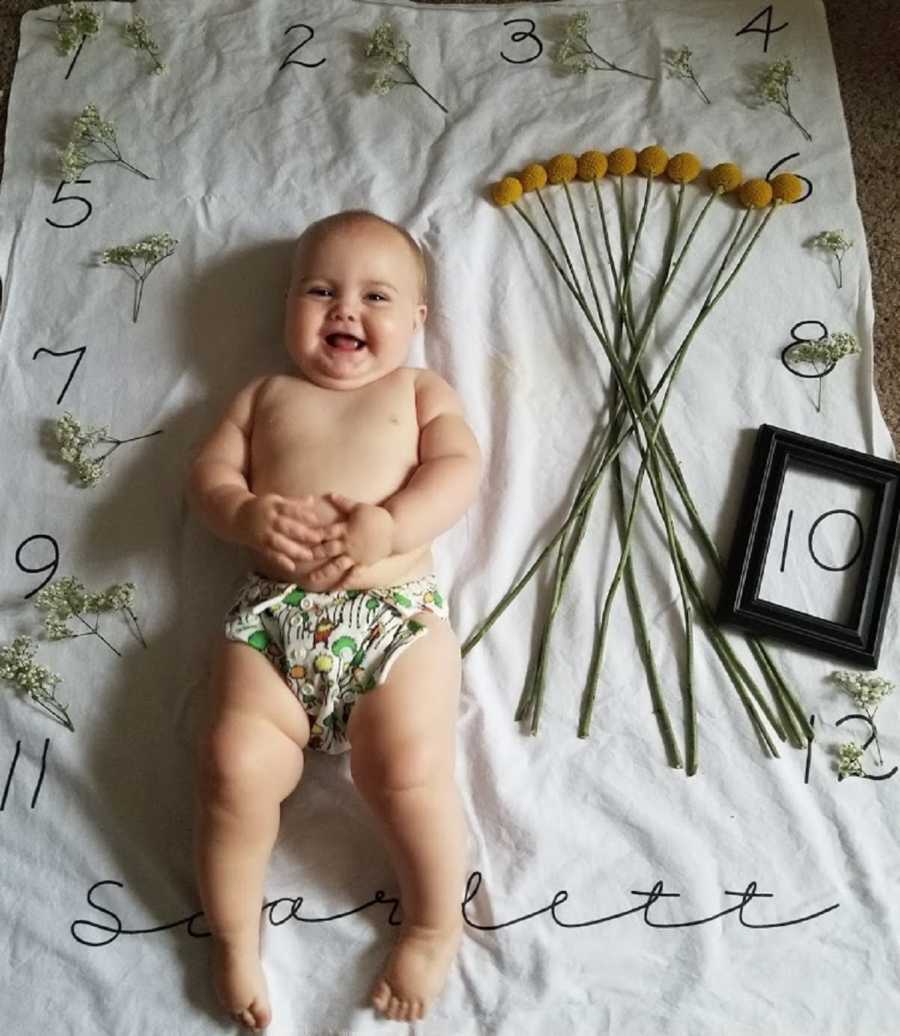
(287, 61)
(859, 546)
(518, 36)
(52, 565)
(872, 736)
(767, 31)
(805, 179)
(75, 197)
(799, 339)
(787, 536)
(12, 770)
(81, 350)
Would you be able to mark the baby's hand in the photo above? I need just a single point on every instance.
(364, 536)
(283, 530)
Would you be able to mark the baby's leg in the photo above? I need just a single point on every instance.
(403, 747)
(249, 758)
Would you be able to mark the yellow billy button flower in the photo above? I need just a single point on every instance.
(652, 161)
(508, 190)
(724, 177)
(622, 161)
(533, 177)
(786, 188)
(683, 167)
(562, 168)
(755, 194)
(592, 165)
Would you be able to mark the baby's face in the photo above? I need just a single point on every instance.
(354, 306)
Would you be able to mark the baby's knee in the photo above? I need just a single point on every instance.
(400, 765)
(237, 760)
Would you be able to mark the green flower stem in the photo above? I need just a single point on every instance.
(776, 683)
(656, 696)
(783, 699)
(575, 286)
(95, 630)
(54, 707)
(587, 265)
(736, 670)
(117, 159)
(134, 617)
(121, 442)
(696, 83)
(534, 689)
(770, 671)
(648, 456)
(591, 487)
(707, 307)
(587, 494)
(611, 67)
(415, 82)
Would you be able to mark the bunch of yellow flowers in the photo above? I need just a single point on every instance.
(624, 333)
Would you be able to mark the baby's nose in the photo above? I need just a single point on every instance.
(341, 309)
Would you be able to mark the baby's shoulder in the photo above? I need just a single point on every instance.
(434, 396)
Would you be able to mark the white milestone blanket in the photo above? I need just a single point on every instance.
(606, 891)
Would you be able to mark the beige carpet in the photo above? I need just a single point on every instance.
(866, 41)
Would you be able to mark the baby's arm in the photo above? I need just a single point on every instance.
(282, 529)
(446, 480)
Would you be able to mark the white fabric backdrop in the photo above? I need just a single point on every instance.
(97, 877)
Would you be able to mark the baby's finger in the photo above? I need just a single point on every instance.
(343, 502)
(299, 532)
(332, 570)
(280, 562)
(334, 532)
(346, 578)
(278, 544)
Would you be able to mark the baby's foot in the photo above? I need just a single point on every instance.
(241, 985)
(416, 971)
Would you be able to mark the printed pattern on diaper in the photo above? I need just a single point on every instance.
(332, 647)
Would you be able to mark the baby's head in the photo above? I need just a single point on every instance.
(356, 299)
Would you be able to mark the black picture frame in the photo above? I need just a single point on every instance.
(740, 603)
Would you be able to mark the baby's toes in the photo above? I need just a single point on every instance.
(381, 997)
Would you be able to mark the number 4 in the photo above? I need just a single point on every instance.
(767, 31)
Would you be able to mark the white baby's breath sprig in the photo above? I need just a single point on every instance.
(73, 441)
(678, 65)
(575, 53)
(827, 350)
(773, 87)
(89, 130)
(867, 692)
(387, 47)
(849, 764)
(17, 666)
(67, 598)
(136, 34)
(75, 24)
(150, 251)
(836, 243)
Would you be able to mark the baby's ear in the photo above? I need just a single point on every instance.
(421, 314)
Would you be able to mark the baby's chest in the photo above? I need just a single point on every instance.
(364, 439)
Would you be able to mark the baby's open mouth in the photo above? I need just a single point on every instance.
(346, 342)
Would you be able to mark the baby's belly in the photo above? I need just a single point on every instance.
(388, 572)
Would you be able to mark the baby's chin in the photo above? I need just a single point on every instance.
(339, 378)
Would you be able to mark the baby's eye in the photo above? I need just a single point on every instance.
(319, 291)
(376, 296)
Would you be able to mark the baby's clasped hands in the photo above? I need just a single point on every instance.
(363, 538)
(287, 530)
